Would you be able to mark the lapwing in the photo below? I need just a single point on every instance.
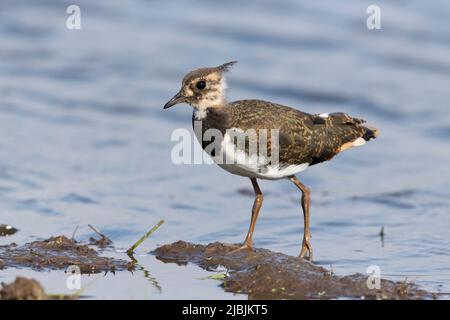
(302, 139)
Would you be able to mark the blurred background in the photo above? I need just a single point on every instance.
(84, 139)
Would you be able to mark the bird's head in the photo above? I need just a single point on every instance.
(202, 88)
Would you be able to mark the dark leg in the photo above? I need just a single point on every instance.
(307, 250)
(248, 243)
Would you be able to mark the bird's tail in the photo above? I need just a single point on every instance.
(368, 132)
(371, 133)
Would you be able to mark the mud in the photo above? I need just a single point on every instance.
(7, 230)
(263, 274)
(59, 253)
(22, 289)
(29, 289)
(103, 242)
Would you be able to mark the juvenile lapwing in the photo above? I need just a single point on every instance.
(303, 139)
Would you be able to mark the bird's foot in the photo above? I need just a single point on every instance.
(245, 246)
(307, 250)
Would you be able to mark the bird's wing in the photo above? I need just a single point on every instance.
(303, 137)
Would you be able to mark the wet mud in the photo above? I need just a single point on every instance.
(7, 230)
(22, 289)
(263, 274)
(103, 242)
(29, 289)
(59, 253)
(260, 273)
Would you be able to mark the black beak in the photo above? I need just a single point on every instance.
(178, 98)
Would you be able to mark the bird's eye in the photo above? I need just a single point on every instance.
(201, 85)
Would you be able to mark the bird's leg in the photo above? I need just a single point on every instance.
(255, 211)
(307, 250)
(248, 243)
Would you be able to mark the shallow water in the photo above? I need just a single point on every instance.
(85, 139)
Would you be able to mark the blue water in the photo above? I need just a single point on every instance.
(84, 139)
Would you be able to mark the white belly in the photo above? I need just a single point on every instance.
(272, 173)
(239, 163)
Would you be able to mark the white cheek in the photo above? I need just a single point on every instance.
(214, 98)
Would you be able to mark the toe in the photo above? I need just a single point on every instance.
(242, 248)
(306, 252)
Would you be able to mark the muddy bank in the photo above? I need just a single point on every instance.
(29, 289)
(22, 289)
(59, 253)
(7, 230)
(263, 274)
